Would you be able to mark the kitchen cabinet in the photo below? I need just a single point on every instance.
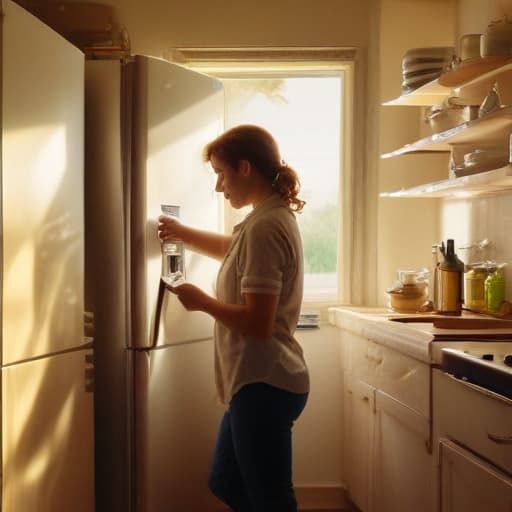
(387, 427)
(402, 457)
(468, 484)
(359, 413)
(495, 127)
(474, 446)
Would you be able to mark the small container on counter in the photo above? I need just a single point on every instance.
(495, 289)
(409, 294)
(474, 286)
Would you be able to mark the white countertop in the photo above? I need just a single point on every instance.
(374, 324)
(418, 339)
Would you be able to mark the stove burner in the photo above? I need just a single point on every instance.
(486, 370)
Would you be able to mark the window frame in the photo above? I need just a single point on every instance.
(251, 63)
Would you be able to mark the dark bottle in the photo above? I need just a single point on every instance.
(449, 283)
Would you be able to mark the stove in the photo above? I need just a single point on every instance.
(486, 365)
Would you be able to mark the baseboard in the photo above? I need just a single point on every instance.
(321, 497)
(314, 497)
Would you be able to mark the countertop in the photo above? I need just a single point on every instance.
(414, 339)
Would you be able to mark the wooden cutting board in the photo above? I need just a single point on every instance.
(461, 328)
(471, 323)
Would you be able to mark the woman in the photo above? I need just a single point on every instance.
(260, 370)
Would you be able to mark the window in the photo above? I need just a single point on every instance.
(304, 105)
(303, 113)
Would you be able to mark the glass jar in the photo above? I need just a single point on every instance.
(474, 288)
(495, 290)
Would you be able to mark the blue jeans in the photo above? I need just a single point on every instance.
(252, 461)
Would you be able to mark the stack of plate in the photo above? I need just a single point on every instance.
(422, 65)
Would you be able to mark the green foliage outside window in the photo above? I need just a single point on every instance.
(319, 235)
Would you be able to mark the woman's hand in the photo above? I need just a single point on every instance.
(192, 297)
(169, 228)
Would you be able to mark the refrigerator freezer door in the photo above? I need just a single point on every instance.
(42, 189)
(47, 435)
(177, 111)
(177, 417)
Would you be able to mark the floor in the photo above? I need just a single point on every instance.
(329, 510)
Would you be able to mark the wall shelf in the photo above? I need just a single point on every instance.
(431, 93)
(476, 70)
(491, 128)
(469, 83)
(489, 182)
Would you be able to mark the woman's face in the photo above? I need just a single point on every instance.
(231, 182)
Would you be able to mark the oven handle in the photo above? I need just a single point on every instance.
(498, 439)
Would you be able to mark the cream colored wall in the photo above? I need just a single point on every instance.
(156, 26)
(406, 228)
(317, 436)
(471, 220)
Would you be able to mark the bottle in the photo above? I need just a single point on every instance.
(495, 290)
(173, 271)
(449, 285)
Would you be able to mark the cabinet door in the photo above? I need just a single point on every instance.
(403, 464)
(359, 424)
(468, 484)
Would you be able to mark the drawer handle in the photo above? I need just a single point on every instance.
(500, 439)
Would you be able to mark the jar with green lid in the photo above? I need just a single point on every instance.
(495, 290)
(474, 288)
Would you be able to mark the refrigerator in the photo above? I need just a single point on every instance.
(147, 121)
(46, 360)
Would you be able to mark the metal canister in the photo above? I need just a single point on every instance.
(474, 288)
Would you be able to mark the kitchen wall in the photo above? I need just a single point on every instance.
(428, 221)
(472, 220)
(406, 228)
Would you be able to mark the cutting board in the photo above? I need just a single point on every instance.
(461, 328)
(471, 323)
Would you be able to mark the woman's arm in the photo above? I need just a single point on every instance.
(255, 317)
(209, 243)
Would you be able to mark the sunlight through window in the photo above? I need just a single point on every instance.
(305, 116)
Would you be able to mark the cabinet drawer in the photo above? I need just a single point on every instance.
(469, 484)
(398, 375)
(475, 418)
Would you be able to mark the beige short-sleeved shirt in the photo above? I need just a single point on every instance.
(265, 256)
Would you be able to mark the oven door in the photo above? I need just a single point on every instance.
(473, 434)
(468, 484)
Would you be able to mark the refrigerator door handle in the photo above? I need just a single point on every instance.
(158, 312)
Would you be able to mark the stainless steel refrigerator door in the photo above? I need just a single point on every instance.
(48, 435)
(177, 416)
(42, 188)
(177, 111)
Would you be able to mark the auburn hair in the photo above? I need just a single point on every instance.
(257, 146)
